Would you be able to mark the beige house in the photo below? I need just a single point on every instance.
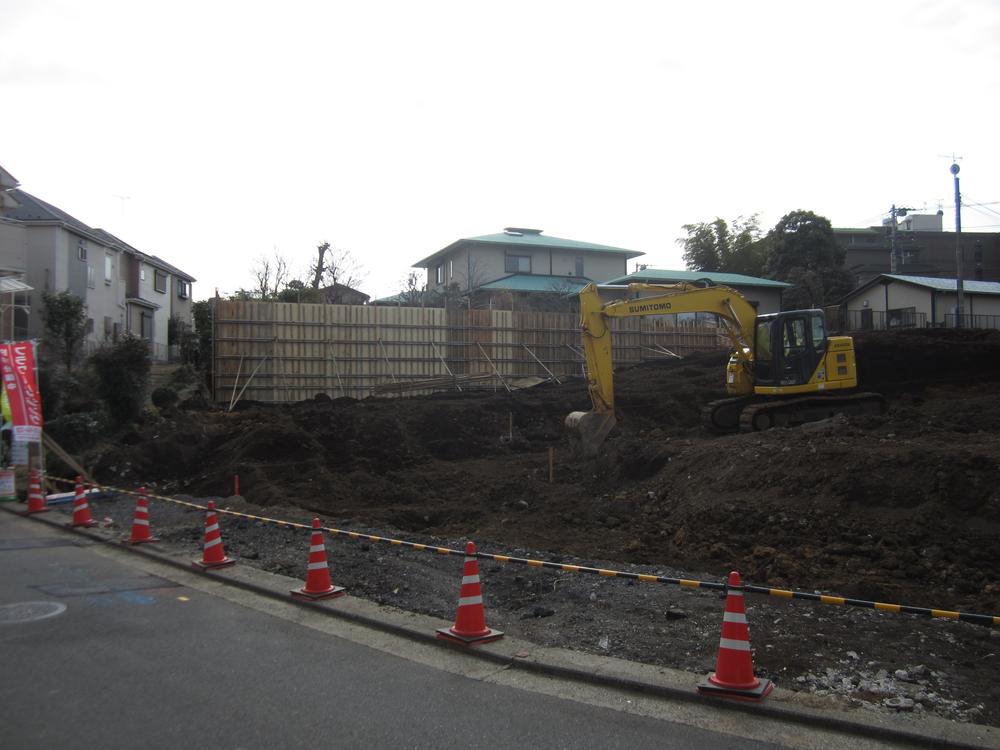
(895, 301)
(123, 289)
(13, 266)
(517, 255)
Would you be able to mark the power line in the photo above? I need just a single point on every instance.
(985, 207)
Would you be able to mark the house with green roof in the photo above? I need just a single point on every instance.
(521, 261)
(763, 294)
(900, 301)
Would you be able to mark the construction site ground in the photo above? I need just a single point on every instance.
(900, 508)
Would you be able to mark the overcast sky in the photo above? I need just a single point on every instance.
(214, 133)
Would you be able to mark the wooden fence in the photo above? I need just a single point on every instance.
(275, 351)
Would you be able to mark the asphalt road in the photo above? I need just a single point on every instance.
(111, 655)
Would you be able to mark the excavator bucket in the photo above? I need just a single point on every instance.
(587, 429)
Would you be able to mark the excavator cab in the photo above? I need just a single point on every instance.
(788, 347)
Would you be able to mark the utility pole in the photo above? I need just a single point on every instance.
(958, 248)
(893, 246)
(895, 254)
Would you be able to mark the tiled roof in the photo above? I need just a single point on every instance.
(659, 276)
(948, 285)
(529, 238)
(32, 209)
(538, 283)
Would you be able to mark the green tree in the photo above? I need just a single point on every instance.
(202, 314)
(123, 375)
(65, 325)
(716, 247)
(804, 252)
(298, 291)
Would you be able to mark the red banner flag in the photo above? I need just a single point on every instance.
(17, 362)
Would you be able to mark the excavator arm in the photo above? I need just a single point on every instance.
(590, 428)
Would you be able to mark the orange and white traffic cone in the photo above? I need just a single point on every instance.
(36, 498)
(81, 510)
(318, 584)
(141, 533)
(214, 556)
(733, 675)
(470, 620)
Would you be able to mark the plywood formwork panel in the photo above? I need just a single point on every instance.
(301, 350)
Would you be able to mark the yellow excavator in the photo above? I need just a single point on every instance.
(783, 369)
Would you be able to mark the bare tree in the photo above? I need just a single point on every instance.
(413, 292)
(335, 269)
(271, 274)
(319, 267)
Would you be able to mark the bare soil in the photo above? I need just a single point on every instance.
(900, 508)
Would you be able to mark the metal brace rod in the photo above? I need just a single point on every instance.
(662, 350)
(240, 395)
(236, 383)
(551, 374)
(336, 368)
(385, 355)
(493, 366)
(446, 368)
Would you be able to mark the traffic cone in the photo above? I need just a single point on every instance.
(733, 675)
(318, 584)
(141, 533)
(81, 510)
(470, 620)
(36, 499)
(214, 555)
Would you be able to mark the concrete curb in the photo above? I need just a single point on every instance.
(783, 705)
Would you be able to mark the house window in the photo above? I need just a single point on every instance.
(160, 281)
(107, 325)
(142, 272)
(517, 264)
(90, 276)
(109, 268)
(451, 269)
(81, 249)
(439, 275)
(182, 289)
(90, 326)
(579, 267)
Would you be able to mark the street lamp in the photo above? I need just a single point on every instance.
(958, 247)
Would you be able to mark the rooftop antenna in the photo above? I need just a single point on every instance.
(123, 198)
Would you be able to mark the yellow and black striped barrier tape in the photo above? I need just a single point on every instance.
(978, 619)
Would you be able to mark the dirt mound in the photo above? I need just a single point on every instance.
(906, 502)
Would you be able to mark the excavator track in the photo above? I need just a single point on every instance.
(751, 413)
(763, 415)
(723, 416)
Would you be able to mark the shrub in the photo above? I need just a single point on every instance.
(76, 432)
(164, 397)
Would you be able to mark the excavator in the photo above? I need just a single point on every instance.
(783, 369)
